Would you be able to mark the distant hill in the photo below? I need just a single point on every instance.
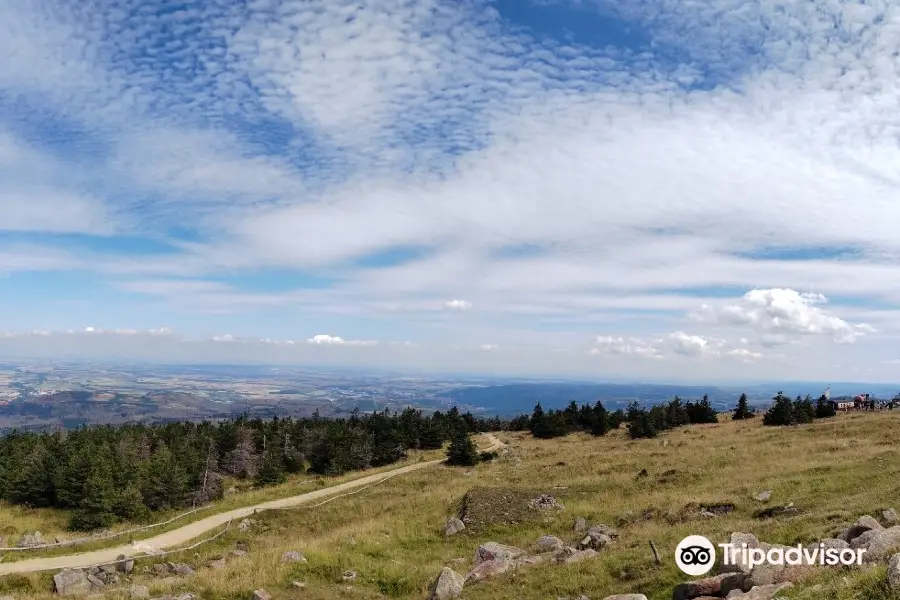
(512, 399)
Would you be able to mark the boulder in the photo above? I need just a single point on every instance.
(124, 564)
(239, 553)
(545, 502)
(528, 561)
(829, 544)
(571, 555)
(763, 592)
(626, 597)
(298, 585)
(245, 525)
(138, 592)
(96, 582)
(739, 540)
(292, 556)
(490, 551)
(180, 569)
(30, 540)
(763, 496)
(217, 563)
(882, 543)
(448, 585)
(549, 543)
(487, 569)
(889, 516)
(718, 585)
(893, 571)
(595, 540)
(261, 595)
(454, 526)
(70, 582)
(863, 539)
(863, 524)
(348, 576)
(604, 529)
(580, 525)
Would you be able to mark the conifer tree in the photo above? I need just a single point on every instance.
(781, 412)
(600, 423)
(462, 451)
(742, 410)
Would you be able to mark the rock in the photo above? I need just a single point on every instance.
(763, 592)
(545, 502)
(30, 540)
(863, 524)
(528, 561)
(96, 582)
(180, 569)
(863, 539)
(108, 569)
(238, 553)
(487, 569)
(718, 585)
(298, 585)
(548, 543)
(70, 582)
(244, 525)
(448, 585)
(626, 597)
(829, 543)
(93, 570)
(292, 556)
(112, 579)
(261, 595)
(217, 563)
(890, 516)
(763, 496)
(490, 551)
(580, 525)
(882, 543)
(348, 576)
(739, 540)
(160, 570)
(604, 529)
(138, 592)
(707, 515)
(571, 555)
(595, 540)
(454, 526)
(893, 571)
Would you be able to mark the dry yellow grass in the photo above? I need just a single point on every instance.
(392, 535)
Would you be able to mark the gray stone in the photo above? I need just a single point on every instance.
(217, 563)
(580, 525)
(299, 585)
(348, 576)
(448, 585)
(138, 592)
(180, 569)
(604, 529)
(30, 540)
(96, 582)
(108, 569)
(489, 568)
(548, 543)
(893, 571)
(238, 553)
(890, 517)
(571, 555)
(493, 551)
(718, 585)
(261, 595)
(763, 592)
(626, 597)
(862, 540)
(828, 544)
(763, 496)
(595, 540)
(292, 556)
(738, 540)
(124, 564)
(454, 526)
(70, 582)
(882, 544)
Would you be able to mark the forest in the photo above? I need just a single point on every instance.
(104, 474)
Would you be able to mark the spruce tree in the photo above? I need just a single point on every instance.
(462, 451)
(600, 423)
(781, 412)
(271, 468)
(824, 408)
(742, 410)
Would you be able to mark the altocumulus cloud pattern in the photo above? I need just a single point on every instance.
(534, 185)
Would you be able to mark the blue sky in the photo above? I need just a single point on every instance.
(542, 186)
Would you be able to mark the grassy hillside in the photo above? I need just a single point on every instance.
(392, 535)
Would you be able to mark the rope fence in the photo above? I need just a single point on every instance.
(106, 536)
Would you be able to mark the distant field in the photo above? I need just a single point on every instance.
(392, 535)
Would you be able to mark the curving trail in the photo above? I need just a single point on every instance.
(178, 537)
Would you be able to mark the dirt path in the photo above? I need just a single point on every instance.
(183, 535)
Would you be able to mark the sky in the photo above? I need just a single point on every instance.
(650, 189)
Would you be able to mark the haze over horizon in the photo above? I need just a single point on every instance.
(553, 187)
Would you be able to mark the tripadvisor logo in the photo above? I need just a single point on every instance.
(696, 555)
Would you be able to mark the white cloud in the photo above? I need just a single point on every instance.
(629, 346)
(781, 315)
(694, 345)
(323, 339)
(227, 338)
(489, 347)
(457, 305)
(744, 354)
